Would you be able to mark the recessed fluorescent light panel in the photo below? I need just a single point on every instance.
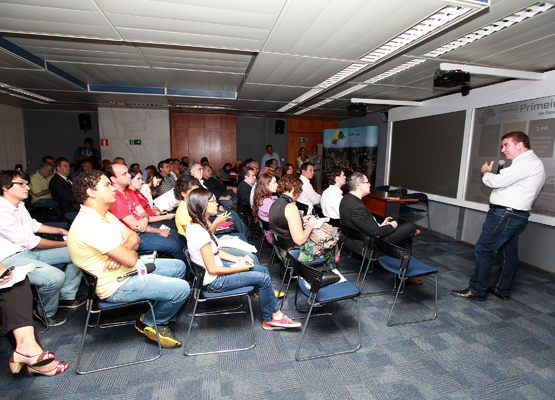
(410, 36)
(426, 27)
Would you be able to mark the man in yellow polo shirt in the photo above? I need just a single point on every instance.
(101, 245)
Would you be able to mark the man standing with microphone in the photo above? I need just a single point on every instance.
(514, 190)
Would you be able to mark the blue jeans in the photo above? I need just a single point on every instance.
(166, 285)
(154, 242)
(499, 232)
(258, 277)
(238, 223)
(51, 282)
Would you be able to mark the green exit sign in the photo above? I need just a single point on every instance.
(303, 140)
(134, 141)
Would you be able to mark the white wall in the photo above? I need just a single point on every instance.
(152, 127)
(12, 132)
(459, 219)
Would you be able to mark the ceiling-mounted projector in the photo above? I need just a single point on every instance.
(449, 79)
(356, 109)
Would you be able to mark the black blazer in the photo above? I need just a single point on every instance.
(61, 191)
(355, 216)
(244, 193)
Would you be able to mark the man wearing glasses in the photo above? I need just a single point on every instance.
(19, 245)
(356, 216)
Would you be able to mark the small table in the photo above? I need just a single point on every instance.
(385, 204)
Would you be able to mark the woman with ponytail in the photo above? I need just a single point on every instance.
(225, 272)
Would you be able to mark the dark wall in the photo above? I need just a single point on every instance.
(55, 133)
(372, 120)
(253, 134)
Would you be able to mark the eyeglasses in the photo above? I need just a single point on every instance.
(213, 200)
(363, 183)
(21, 184)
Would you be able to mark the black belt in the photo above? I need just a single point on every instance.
(507, 208)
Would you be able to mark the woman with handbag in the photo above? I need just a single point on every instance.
(287, 225)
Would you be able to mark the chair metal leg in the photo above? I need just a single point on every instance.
(41, 307)
(389, 323)
(186, 344)
(80, 354)
(356, 347)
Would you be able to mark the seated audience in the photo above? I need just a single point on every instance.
(40, 191)
(195, 170)
(309, 196)
(49, 160)
(150, 187)
(155, 219)
(278, 172)
(119, 160)
(19, 245)
(226, 195)
(101, 245)
(60, 187)
(168, 182)
(128, 210)
(225, 272)
(224, 173)
(331, 198)
(287, 225)
(357, 217)
(16, 304)
(183, 166)
(86, 166)
(244, 189)
(288, 169)
(263, 200)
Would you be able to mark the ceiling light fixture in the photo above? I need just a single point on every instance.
(519, 16)
(387, 102)
(502, 72)
(430, 25)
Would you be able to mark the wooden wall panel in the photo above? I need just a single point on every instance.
(311, 129)
(198, 135)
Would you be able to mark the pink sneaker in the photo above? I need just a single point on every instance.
(268, 327)
(285, 322)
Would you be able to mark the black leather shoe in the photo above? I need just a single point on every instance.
(499, 296)
(468, 295)
(71, 303)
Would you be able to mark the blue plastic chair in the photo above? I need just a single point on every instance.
(400, 262)
(97, 306)
(309, 284)
(408, 212)
(198, 295)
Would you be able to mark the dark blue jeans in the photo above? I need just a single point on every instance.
(258, 277)
(154, 242)
(499, 232)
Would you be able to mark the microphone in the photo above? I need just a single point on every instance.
(150, 267)
(500, 166)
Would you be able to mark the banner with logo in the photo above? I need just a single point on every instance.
(354, 149)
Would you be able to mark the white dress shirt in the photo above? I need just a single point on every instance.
(518, 185)
(331, 198)
(309, 195)
(17, 229)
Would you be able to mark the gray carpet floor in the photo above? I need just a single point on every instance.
(473, 350)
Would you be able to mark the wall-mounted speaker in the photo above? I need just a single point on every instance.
(85, 122)
(384, 116)
(280, 127)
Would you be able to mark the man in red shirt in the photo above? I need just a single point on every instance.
(129, 211)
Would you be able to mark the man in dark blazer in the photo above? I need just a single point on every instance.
(248, 178)
(355, 215)
(61, 187)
